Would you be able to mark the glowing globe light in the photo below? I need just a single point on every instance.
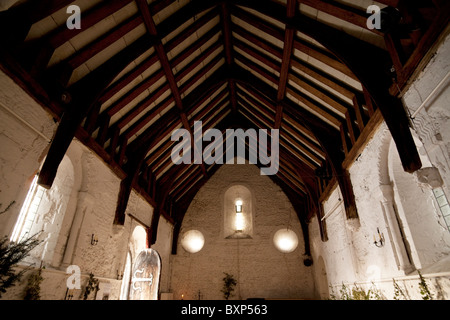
(285, 240)
(193, 241)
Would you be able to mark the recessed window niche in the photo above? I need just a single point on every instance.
(238, 213)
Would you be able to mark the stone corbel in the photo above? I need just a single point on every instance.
(429, 178)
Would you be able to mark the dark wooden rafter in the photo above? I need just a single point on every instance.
(265, 82)
(166, 182)
(282, 180)
(341, 11)
(57, 38)
(291, 7)
(290, 162)
(82, 97)
(162, 55)
(306, 156)
(19, 19)
(163, 128)
(136, 111)
(228, 44)
(299, 44)
(327, 136)
(376, 82)
(140, 156)
(424, 48)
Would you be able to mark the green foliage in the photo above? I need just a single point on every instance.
(332, 294)
(345, 293)
(373, 293)
(33, 290)
(92, 286)
(398, 292)
(228, 285)
(11, 253)
(357, 293)
(424, 291)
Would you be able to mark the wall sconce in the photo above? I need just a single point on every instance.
(239, 222)
(379, 241)
(119, 275)
(94, 240)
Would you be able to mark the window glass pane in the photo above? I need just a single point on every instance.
(445, 210)
(447, 220)
(438, 192)
(442, 201)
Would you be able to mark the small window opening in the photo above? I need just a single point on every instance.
(443, 205)
(28, 212)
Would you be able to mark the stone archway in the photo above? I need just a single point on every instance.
(322, 279)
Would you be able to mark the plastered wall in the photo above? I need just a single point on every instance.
(81, 202)
(392, 201)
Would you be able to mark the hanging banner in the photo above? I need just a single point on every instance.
(146, 276)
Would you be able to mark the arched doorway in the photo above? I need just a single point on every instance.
(142, 273)
(322, 279)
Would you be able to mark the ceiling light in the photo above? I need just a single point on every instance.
(285, 240)
(193, 241)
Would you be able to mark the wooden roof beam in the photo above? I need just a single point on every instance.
(83, 96)
(303, 173)
(162, 55)
(341, 11)
(371, 75)
(328, 137)
(299, 44)
(206, 119)
(127, 78)
(261, 123)
(289, 33)
(308, 153)
(225, 18)
(289, 130)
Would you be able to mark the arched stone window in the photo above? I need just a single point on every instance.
(238, 212)
(411, 209)
(43, 213)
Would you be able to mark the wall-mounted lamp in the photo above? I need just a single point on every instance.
(119, 275)
(378, 240)
(94, 240)
(239, 222)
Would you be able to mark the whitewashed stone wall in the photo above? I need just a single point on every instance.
(21, 148)
(384, 193)
(81, 202)
(90, 210)
(350, 257)
(259, 268)
(432, 122)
